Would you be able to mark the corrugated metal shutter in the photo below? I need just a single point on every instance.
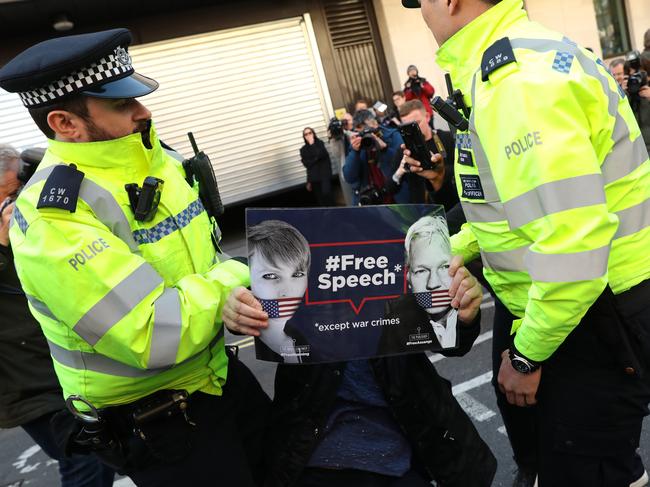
(246, 94)
(16, 126)
(356, 57)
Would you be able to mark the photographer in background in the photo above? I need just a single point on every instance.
(418, 88)
(638, 90)
(369, 164)
(29, 390)
(316, 159)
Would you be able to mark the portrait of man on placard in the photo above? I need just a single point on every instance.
(279, 261)
(428, 322)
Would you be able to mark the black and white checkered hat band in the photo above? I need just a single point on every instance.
(116, 65)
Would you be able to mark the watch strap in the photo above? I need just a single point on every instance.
(520, 362)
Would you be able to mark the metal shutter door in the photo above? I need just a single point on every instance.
(246, 94)
(16, 126)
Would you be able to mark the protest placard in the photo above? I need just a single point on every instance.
(349, 283)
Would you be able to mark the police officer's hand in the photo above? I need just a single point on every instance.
(645, 92)
(5, 218)
(243, 314)
(355, 142)
(465, 290)
(520, 389)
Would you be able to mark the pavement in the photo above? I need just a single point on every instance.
(23, 463)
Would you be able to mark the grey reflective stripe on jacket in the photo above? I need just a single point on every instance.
(108, 211)
(166, 335)
(554, 197)
(117, 303)
(105, 365)
(40, 306)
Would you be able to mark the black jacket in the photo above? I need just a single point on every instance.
(444, 440)
(415, 321)
(317, 161)
(28, 385)
(643, 117)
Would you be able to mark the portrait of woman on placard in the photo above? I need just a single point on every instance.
(279, 261)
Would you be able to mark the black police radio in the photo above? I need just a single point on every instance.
(454, 110)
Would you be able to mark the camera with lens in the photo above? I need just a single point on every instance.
(335, 128)
(371, 195)
(368, 140)
(636, 81)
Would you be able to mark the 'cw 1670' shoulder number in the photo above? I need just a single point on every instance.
(57, 195)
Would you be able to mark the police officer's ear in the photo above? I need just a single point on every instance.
(67, 126)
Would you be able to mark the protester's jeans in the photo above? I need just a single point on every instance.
(75, 471)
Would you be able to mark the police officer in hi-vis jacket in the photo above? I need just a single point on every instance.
(554, 179)
(114, 251)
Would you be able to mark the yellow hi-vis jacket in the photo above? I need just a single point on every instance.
(127, 307)
(553, 174)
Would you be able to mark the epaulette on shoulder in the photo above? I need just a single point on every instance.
(497, 56)
(61, 189)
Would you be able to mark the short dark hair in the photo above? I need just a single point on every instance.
(398, 93)
(645, 61)
(492, 2)
(410, 106)
(74, 104)
(362, 116)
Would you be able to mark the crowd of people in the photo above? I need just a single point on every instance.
(117, 295)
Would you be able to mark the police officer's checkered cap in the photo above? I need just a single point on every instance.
(57, 68)
(113, 66)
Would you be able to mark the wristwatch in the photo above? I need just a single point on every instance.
(520, 363)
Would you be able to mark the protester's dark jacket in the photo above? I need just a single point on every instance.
(317, 161)
(415, 321)
(444, 441)
(28, 386)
